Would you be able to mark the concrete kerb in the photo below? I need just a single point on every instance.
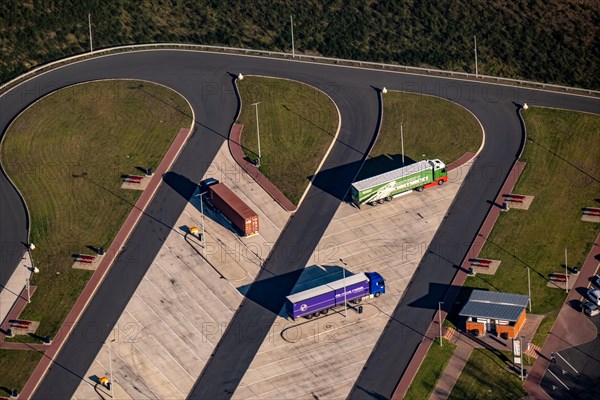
(93, 284)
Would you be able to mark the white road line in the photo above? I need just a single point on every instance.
(137, 375)
(556, 377)
(399, 213)
(188, 294)
(569, 364)
(196, 276)
(173, 358)
(158, 369)
(169, 327)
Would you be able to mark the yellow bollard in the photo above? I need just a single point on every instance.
(194, 230)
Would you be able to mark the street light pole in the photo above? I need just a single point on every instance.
(529, 287)
(202, 212)
(566, 273)
(292, 28)
(344, 280)
(475, 40)
(28, 293)
(90, 29)
(402, 141)
(110, 371)
(257, 132)
(440, 318)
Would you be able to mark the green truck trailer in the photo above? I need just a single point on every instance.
(384, 187)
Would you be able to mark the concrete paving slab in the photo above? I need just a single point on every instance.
(390, 239)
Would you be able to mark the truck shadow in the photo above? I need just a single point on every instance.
(336, 181)
(309, 277)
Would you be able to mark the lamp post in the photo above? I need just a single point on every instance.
(292, 28)
(201, 195)
(257, 132)
(90, 29)
(28, 292)
(402, 141)
(440, 319)
(475, 40)
(566, 273)
(344, 280)
(529, 287)
(110, 370)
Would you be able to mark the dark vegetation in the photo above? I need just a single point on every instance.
(553, 41)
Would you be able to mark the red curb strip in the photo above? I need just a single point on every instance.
(465, 158)
(562, 331)
(235, 147)
(14, 313)
(456, 285)
(98, 276)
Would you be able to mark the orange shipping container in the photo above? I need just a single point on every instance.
(232, 207)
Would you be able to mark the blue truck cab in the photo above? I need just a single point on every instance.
(376, 284)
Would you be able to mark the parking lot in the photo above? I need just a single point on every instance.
(183, 305)
(389, 239)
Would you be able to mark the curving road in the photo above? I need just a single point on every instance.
(205, 80)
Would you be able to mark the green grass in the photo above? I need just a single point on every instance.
(542, 331)
(433, 128)
(297, 125)
(430, 371)
(548, 41)
(485, 377)
(67, 154)
(563, 174)
(16, 372)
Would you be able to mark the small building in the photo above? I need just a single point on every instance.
(502, 314)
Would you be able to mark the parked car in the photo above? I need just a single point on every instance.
(594, 296)
(596, 281)
(590, 309)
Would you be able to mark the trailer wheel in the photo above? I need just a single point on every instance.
(389, 198)
(357, 301)
(309, 316)
(325, 311)
(316, 314)
(440, 182)
(377, 294)
(373, 203)
(381, 201)
(419, 189)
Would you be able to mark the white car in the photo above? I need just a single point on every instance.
(594, 296)
(590, 309)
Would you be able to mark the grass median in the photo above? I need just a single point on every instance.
(430, 371)
(563, 173)
(432, 128)
(66, 154)
(297, 125)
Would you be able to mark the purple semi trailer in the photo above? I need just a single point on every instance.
(319, 300)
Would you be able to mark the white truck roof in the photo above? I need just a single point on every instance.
(395, 174)
(336, 285)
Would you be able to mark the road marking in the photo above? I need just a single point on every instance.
(569, 364)
(556, 377)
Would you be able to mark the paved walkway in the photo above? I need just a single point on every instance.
(98, 276)
(453, 370)
(9, 293)
(458, 281)
(235, 146)
(563, 335)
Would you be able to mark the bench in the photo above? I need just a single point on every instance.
(595, 212)
(558, 277)
(481, 263)
(134, 178)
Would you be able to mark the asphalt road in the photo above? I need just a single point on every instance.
(205, 81)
